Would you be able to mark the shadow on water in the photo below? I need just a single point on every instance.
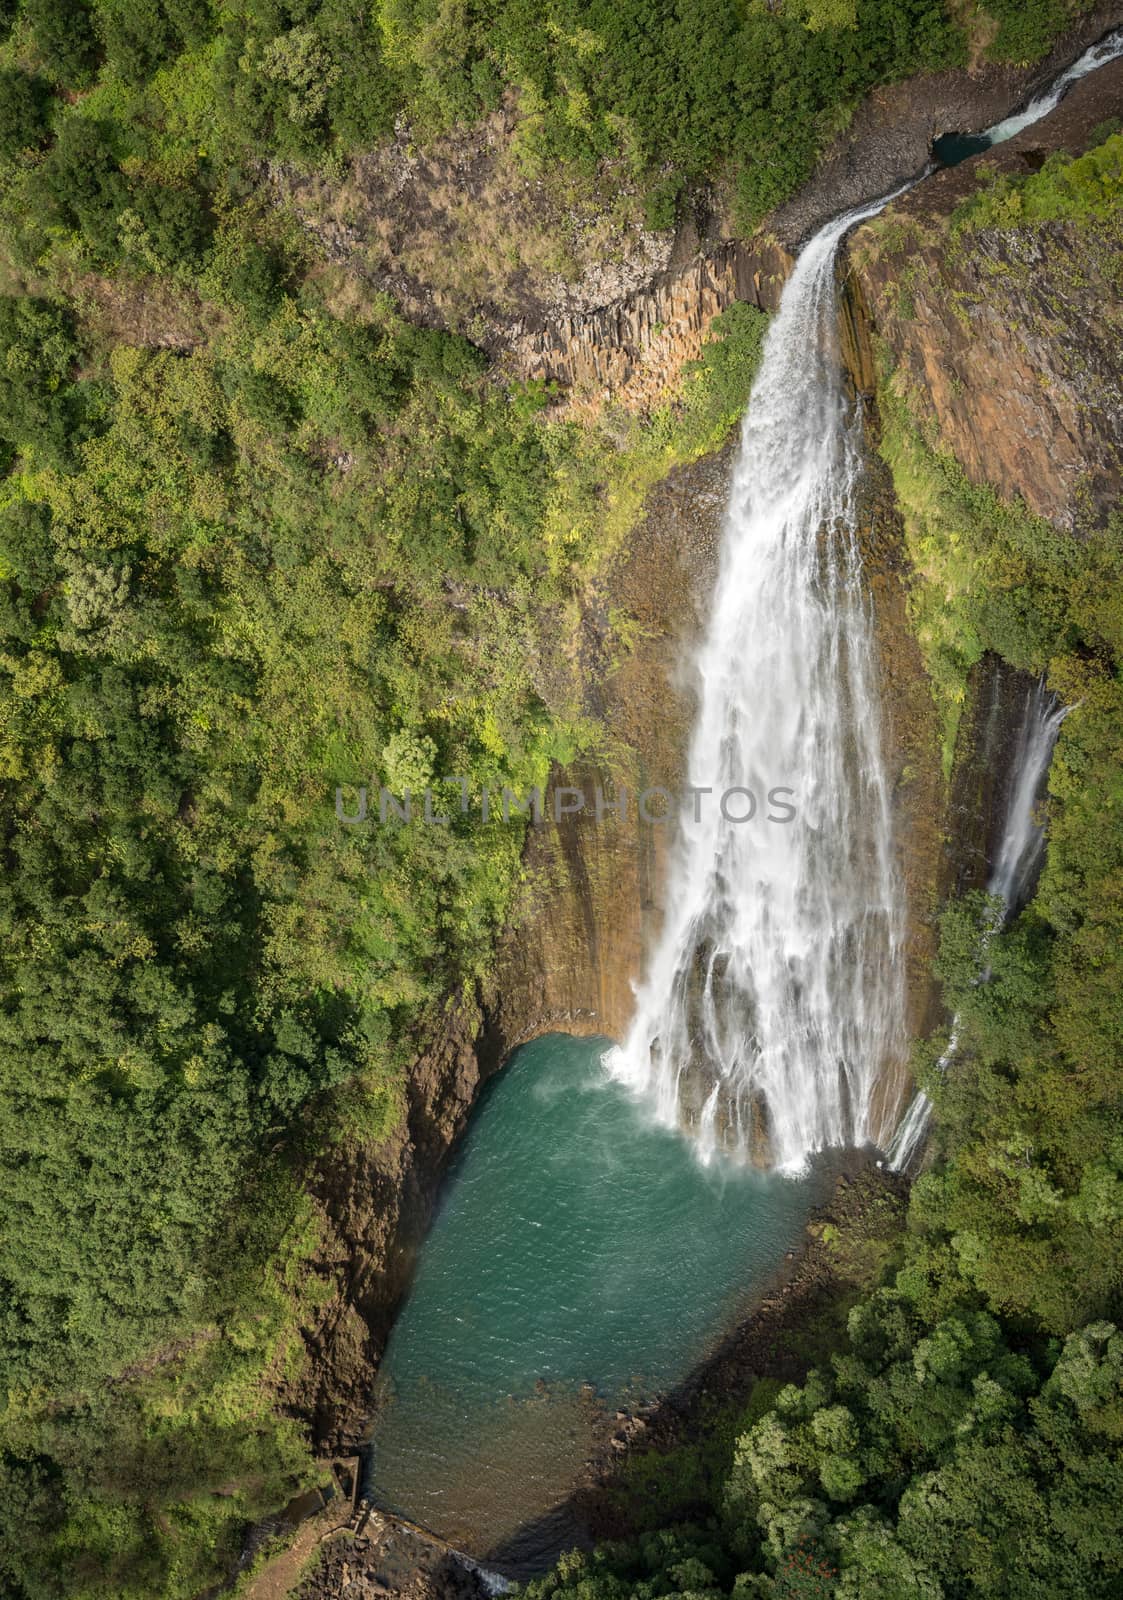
(952, 148)
(767, 1340)
(582, 1263)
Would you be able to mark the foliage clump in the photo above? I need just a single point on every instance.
(1067, 188)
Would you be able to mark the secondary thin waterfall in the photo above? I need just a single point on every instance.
(775, 998)
(1017, 863)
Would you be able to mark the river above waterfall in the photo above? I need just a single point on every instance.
(581, 1258)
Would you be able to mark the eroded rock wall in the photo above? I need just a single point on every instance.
(594, 897)
(632, 352)
(1006, 340)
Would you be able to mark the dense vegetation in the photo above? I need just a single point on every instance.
(181, 89)
(284, 541)
(300, 550)
(930, 1460)
(210, 623)
(1067, 188)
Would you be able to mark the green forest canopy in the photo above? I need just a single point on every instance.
(238, 572)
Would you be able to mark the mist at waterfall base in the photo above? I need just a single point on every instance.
(576, 1242)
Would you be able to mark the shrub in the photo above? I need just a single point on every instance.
(84, 186)
(256, 282)
(39, 349)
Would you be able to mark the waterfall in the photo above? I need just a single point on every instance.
(1011, 883)
(1022, 845)
(774, 997)
(1097, 55)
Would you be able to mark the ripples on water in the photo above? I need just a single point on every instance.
(576, 1243)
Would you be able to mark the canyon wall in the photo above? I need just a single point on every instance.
(1048, 329)
(632, 352)
(593, 897)
(1006, 340)
(1004, 344)
(961, 327)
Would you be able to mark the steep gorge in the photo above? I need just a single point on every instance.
(593, 896)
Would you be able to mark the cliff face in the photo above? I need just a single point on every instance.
(1011, 357)
(1004, 343)
(594, 895)
(373, 1203)
(1006, 340)
(910, 750)
(631, 352)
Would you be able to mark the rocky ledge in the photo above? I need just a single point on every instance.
(1006, 340)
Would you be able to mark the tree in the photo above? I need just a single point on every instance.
(23, 111)
(65, 34)
(175, 226)
(139, 37)
(85, 186)
(39, 348)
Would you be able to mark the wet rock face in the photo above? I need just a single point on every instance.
(1006, 340)
(594, 895)
(985, 769)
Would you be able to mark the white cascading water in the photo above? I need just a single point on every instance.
(775, 995)
(1022, 846)
(1013, 876)
(1098, 55)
